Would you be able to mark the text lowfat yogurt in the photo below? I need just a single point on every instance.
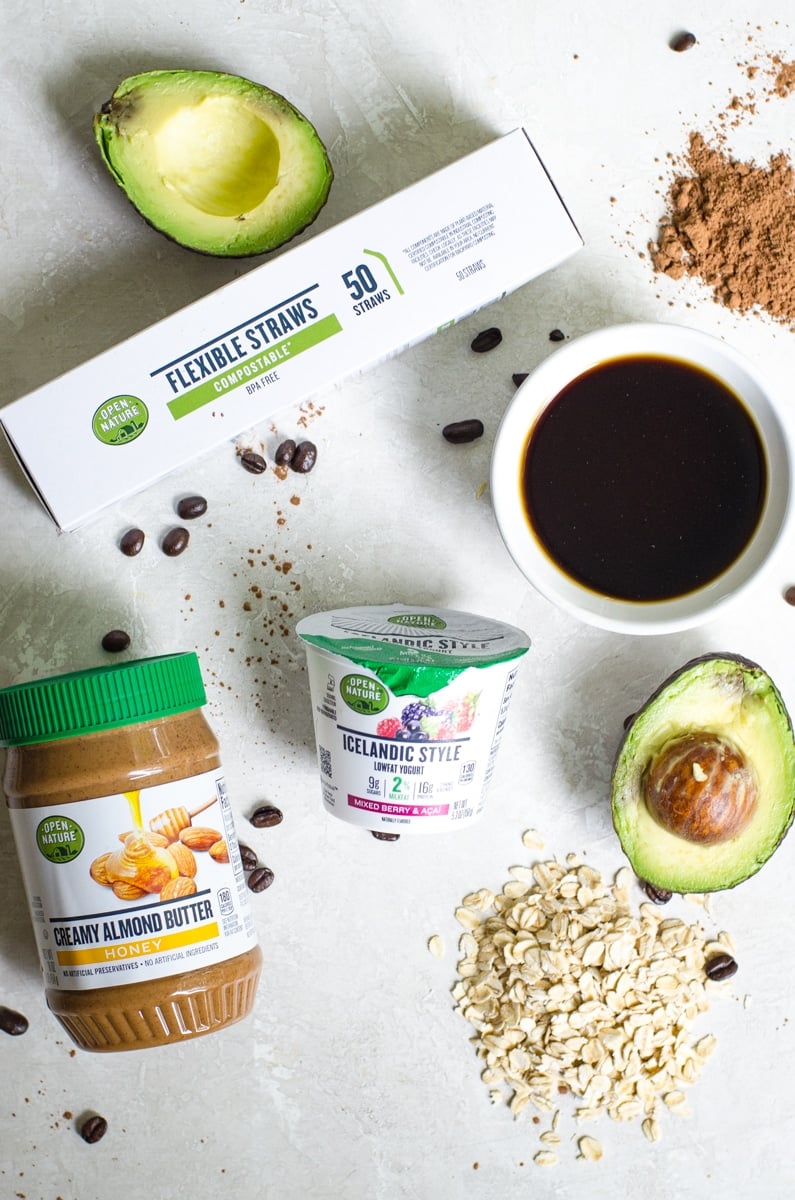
(409, 707)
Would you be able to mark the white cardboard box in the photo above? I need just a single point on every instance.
(352, 296)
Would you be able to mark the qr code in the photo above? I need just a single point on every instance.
(325, 761)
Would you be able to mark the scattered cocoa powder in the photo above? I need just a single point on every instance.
(784, 81)
(732, 224)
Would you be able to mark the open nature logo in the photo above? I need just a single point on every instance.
(364, 694)
(59, 839)
(120, 420)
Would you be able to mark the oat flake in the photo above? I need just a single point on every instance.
(596, 1001)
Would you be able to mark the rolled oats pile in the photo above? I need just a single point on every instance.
(570, 991)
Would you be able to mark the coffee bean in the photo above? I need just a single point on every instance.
(253, 462)
(789, 595)
(459, 432)
(385, 837)
(260, 879)
(284, 453)
(656, 894)
(519, 378)
(12, 1022)
(304, 457)
(248, 857)
(487, 339)
(720, 966)
(93, 1129)
(557, 335)
(682, 41)
(175, 541)
(115, 641)
(132, 542)
(191, 507)
(266, 816)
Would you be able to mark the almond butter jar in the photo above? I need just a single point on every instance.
(126, 841)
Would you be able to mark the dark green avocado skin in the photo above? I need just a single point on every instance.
(104, 123)
(782, 716)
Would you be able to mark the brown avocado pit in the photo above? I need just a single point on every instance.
(703, 784)
(701, 787)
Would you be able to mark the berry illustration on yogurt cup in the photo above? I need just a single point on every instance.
(434, 720)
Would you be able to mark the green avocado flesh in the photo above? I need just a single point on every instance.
(736, 700)
(215, 162)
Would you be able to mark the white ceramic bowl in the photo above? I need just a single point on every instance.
(567, 363)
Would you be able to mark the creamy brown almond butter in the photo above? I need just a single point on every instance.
(144, 938)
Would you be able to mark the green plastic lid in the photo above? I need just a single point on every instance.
(62, 706)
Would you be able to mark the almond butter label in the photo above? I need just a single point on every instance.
(139, 885)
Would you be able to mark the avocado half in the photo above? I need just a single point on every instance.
(703, 785)
(217, 163)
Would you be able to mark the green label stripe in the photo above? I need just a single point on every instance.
(258, 364)
(373, 654)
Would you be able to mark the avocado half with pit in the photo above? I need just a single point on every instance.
(703, 785)
(217, 163)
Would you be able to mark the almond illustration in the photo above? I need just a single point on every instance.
(199, 837)
(99, 870)
(127, 891)
(184, 858)
(178, 887)
(220, 852)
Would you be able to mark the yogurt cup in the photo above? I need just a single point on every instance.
(409, 706)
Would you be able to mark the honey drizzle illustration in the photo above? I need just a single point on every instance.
(134, 801)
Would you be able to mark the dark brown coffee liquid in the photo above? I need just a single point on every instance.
(645, 478)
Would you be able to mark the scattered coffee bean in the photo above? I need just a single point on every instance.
(519, 378)
(191, 507)
(657, 895)
(132, 542)
(260, 879)
(115, 641)
(682, 41)
(284, 452)
(487, 339)
(557, 335)
(93, 1129)
(789, 595)
(720, 966)
(459, 432)
(385, 837)
(266, 816)
(304, 457)
(175, 541)
(253, 462)
(248, 857)
(12, 1022)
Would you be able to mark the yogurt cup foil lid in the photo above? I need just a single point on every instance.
(412, 649)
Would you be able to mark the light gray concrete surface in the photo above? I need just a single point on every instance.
(354, 1079)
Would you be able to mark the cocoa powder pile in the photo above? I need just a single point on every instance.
(732, 223)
